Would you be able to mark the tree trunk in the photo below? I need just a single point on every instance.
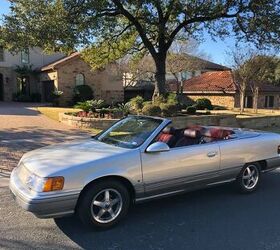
(256, 97)
(242, 100)
(160, 76)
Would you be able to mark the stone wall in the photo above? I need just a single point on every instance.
(226, 100)
(83, 122)
(183, 121)
(179, 121)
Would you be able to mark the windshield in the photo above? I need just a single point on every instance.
(130, 132)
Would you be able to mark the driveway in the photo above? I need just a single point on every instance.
(23, 128)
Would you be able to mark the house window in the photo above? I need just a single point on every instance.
(269, 101)
(25, 56)
(248, 101)
(79, 79)
(1, 54)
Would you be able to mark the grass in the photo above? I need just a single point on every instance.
(53, 112)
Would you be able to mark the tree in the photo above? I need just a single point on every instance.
(252, 70)
(180, 59)
(109, 29)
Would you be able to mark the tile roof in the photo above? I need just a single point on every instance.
(216, 81)
(209, 82)
(59, 62)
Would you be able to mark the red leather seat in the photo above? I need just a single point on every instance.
(167, 137)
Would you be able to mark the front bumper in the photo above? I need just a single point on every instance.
(43, 206)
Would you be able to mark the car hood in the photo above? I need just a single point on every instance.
(52, 159)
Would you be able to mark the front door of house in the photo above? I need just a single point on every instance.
(1, 87)
(48, 88)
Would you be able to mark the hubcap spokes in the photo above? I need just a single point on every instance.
(106, 205)
(250, 177)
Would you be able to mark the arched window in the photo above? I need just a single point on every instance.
(79, 79)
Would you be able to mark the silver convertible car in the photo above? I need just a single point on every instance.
(137, 159)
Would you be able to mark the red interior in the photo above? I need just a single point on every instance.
(192, 135)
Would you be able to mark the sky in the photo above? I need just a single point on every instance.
(216, 50)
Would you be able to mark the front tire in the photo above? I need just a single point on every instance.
(103, 204)
(249, 178)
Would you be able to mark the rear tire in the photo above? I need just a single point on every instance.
(249, 178)
(104, 204)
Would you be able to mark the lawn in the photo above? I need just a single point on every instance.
(53, 112)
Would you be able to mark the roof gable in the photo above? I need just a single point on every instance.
(60, 62)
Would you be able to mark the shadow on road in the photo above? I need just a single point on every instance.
(216, 218)
(19, 108)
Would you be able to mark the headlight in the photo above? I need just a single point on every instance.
(37, 183)
(40, 184)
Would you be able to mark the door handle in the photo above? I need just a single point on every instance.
(212, 154)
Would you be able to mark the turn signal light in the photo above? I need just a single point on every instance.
(53, 184)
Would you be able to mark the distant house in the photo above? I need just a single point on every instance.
(9, 82)
(144, 87)
(55, 72)
(221, 89)
(71, 71)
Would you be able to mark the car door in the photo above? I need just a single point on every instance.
(175, 169)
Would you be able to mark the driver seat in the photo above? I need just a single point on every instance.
(167, 136)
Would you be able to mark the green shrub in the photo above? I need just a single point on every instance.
(191, 110)
(35, 97)
(203, 103)
(184, 101)
(151, 109)
(85, 106)
(217, 107)
(168, 109)
(97, 104)
(124, 108)
(159, 100)
(82, 93)
(19, 97)
(172, 99)
(136, 103)
(147, 103)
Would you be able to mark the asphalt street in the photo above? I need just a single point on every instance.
(216, 218)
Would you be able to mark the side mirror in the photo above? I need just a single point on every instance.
(157, 147)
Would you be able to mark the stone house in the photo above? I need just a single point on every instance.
(71, 71)
(55, 72)
(222, 90)
(9, 81)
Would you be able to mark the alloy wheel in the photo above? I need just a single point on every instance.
(250, 177)
(106, 205)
